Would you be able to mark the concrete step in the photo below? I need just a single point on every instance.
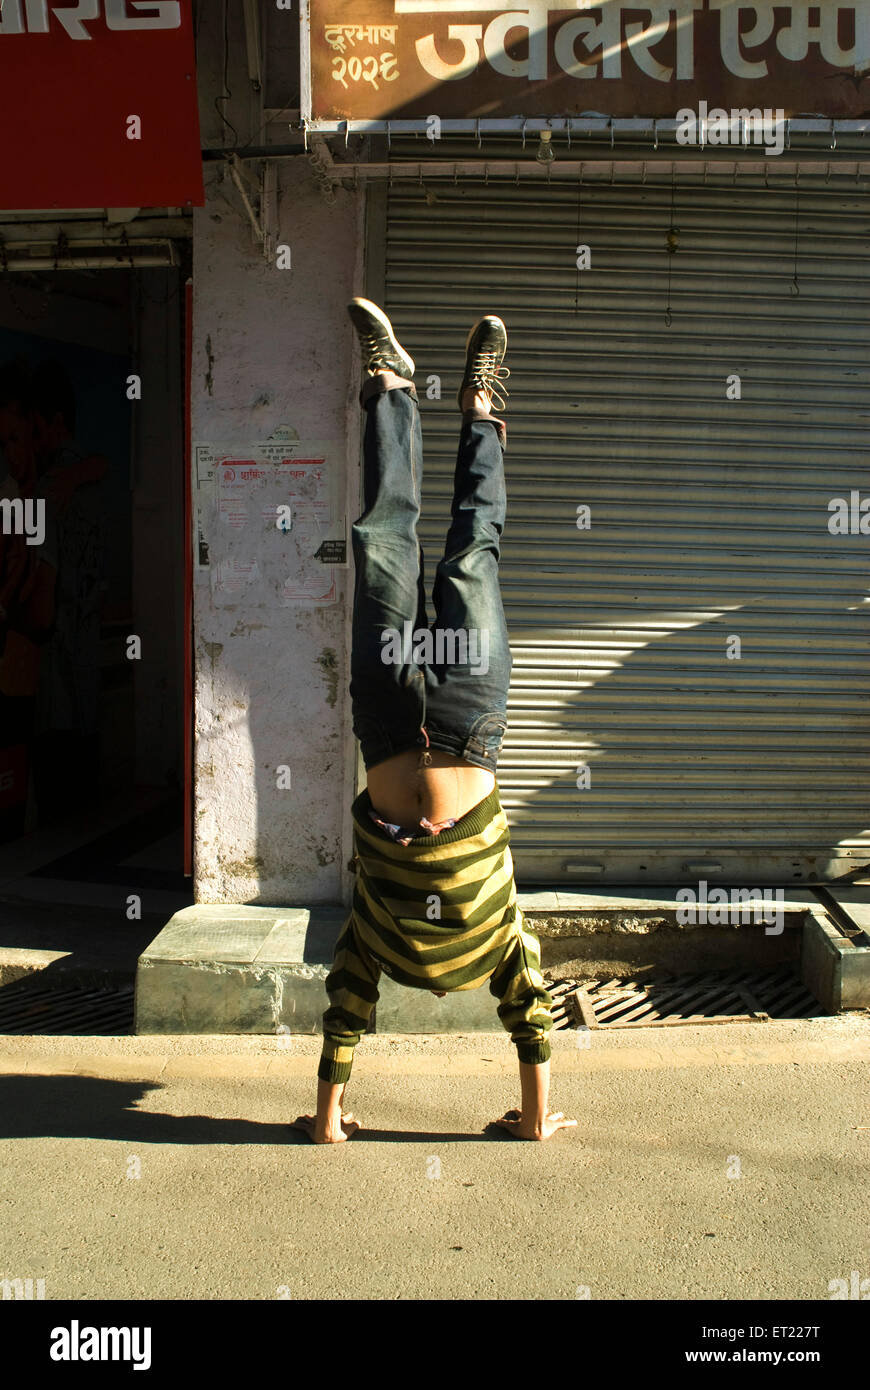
(83, 943)
(238, 969)
(835, 957)
(250, 969)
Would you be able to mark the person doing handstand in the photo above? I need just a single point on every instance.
(435, 901)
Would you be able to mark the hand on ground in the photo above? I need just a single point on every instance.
(514, 1123)
(332, 1134)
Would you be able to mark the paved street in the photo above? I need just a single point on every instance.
(724, 1162)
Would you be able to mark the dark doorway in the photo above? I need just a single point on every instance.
(92, 648)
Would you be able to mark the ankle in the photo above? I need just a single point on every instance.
(478, 399)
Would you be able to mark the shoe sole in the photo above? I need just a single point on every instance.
(372, 309)
(491, 318)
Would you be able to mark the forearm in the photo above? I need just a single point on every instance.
(535, 1086)
(330, 1095)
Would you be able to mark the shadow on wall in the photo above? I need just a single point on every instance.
(692, 755)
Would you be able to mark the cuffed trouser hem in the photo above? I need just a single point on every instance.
(534, 1053)
(334, 1072)
(384, 381)
(474, 412)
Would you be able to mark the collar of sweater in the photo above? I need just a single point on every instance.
(474, 822)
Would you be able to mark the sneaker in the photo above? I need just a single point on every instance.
(484, 352)
(381, 352)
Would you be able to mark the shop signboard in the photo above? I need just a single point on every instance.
(98, 105)
(399, 60)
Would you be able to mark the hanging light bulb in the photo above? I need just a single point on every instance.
(545, 153)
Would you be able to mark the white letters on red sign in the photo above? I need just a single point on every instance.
(33, 16)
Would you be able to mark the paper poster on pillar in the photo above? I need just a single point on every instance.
(270, 522)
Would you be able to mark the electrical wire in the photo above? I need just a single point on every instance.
(227, 93)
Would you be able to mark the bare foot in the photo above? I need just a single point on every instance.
(334, 1133)
(513, 1122)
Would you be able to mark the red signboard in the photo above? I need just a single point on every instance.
(98, 105)
(409, 59)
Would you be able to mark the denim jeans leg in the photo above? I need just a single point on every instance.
(388, 697)
(467, 682)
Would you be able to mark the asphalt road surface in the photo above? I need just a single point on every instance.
(724, 1162)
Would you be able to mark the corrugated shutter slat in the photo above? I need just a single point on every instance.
(709, 516)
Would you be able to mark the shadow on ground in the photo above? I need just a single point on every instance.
(89, 1107)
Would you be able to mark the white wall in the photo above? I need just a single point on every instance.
(271, 682)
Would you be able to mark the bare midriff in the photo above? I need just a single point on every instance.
(434, 784)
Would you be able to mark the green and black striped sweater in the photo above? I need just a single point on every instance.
(438, 913)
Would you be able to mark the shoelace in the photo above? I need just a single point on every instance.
(487, 374)
(375, 354)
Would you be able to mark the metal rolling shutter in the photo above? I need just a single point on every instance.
(709, 516)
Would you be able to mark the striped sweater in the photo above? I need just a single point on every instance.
(439, 912)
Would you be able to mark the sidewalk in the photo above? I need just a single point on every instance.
(162, 1167)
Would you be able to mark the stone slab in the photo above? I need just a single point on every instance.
(297, 936)
(216, 969)
(637, 912)
(15, 964)
(637, 899)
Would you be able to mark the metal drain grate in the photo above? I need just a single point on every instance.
(31, 1007)
(662, 1000)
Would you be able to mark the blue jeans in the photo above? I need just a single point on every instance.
(448, 690)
